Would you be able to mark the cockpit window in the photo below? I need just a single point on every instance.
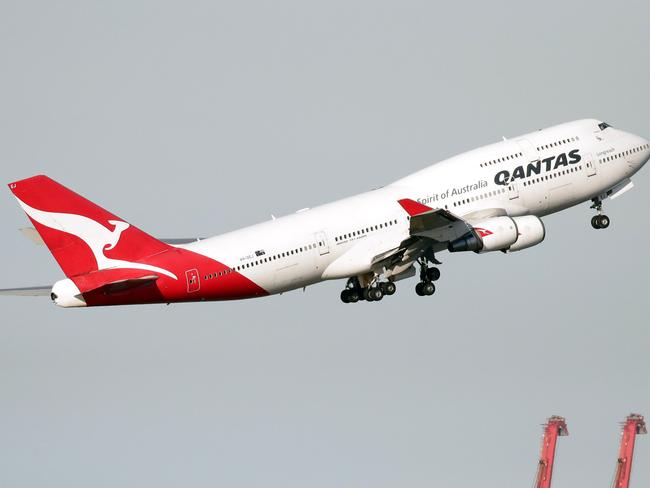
(603, 125)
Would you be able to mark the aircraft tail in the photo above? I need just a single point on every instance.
(81, 236)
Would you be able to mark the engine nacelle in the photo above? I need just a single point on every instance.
(507, 234)
(494, 234)
(531, 232)
(497, 233)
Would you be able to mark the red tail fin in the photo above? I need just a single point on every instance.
(82, 236)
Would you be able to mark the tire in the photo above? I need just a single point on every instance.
(433, 274)
(345, 296)
(367, 294)
(595, 221)
(389, 288)
(418, 289)
(603, 221)
(353, 296)
(428, 288)
(376, 294)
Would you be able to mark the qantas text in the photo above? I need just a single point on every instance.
(548, 164)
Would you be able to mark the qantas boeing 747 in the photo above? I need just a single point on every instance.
(488, 199)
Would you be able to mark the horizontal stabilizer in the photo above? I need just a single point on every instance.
(179, 240)
(129, 284)
(33, 235)
(30, 291)
(113, 281)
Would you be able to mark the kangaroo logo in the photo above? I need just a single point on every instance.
(483, 232)
(116, 233)
(96, 236)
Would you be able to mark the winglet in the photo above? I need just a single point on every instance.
(412, 207)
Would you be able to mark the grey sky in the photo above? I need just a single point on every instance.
(196, 118)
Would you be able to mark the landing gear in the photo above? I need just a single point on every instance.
(433, 274)
(349, 296)
(600, 221)
(368, 287)
(425, 288)
(373, 292)
(427, 275)
(388, 288)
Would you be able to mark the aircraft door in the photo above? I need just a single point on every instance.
(535, 196)
(193, 280)
(513, 190)
(590, 165)
(321, 243)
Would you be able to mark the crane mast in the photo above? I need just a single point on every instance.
(556, 426)
(633, 425)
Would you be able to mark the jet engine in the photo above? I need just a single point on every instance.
(531, 232)
(507, 234)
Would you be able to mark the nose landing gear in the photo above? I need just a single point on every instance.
(600, 221)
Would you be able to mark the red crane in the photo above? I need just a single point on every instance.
(633, 425)
(556, 426)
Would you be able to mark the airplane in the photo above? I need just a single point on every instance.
(485, 200)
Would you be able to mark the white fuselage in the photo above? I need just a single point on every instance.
(535, 174)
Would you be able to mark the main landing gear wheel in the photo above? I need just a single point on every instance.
(433, 274)
(425, 288)
(373, 294)
(350, 295)
(353, 291)
(600, 221)
(388, 288)
(427, 275)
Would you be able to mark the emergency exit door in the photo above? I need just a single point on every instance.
(193, 280)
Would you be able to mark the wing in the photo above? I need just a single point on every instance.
(30, 291)
(430, 231)
(438, 225)
(90, 283)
